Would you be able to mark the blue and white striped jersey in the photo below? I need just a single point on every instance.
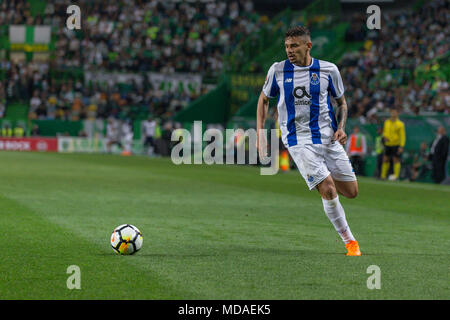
(305, 114)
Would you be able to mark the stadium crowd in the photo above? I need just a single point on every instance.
(194, 37)
(405, 41)
(165, 36)
(171, 36)
(123, 36)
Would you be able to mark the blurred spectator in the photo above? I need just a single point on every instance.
(35, 132)
(35, 103)
(166, 137)
(2, 101)
(112, 134)
(127, 137)
(16, 12)
(82, 134)
(148, 134)
(421, 164)
(19, 132)
(356, 150)
(7, 131)
(439, 154)
(357, 30)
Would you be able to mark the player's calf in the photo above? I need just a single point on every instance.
(335, 212)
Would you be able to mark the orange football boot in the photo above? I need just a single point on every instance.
(353, 248)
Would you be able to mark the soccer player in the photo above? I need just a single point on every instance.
(395, 138)
(112, 134)
(309, 128)
(127, 137)
(148, 130)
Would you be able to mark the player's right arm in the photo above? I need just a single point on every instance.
(261, 115)
(269, 90)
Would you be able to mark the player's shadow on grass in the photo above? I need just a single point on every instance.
(163, 255)
(181, 255)
(238, 251)
(203, 251)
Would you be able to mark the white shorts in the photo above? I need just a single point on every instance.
(316, 161)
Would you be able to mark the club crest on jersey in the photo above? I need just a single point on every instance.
(314, 79)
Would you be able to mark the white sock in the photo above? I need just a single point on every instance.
(335, 212)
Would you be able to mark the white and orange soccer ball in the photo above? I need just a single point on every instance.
(126, 239)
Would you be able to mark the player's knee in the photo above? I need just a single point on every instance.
(349, 191)
(327, 190)
(353, 193)
(331, 193)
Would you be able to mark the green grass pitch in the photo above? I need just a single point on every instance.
(210, 232)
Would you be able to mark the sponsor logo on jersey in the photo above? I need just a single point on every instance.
(302, 102)
(302, 95)
(300, 92)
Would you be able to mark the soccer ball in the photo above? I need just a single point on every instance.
(126, 239)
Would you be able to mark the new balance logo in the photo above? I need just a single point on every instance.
(288, 80)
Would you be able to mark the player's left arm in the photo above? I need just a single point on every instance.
(336, 88)
(341, 115)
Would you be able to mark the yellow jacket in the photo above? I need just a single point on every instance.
(394, 131)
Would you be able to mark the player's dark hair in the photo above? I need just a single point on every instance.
(297, 31)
